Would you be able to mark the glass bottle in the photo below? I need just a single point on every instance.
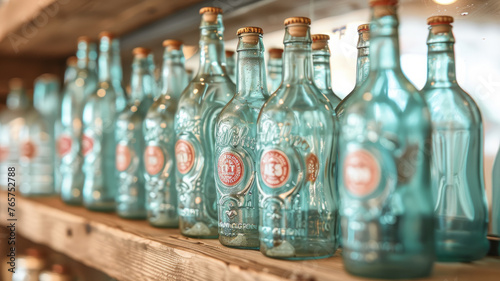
(92, 59)
(321, 63)
(117, 72)
(298, 206)
(231, 65)
(384, 165)
(99, 116)
(11, 122)
(71, 69)
(71, 142)
(236, 132)
(159, 135)
(274, 69)
(362, 64)
(200, 103)
(131, 196)
(47, 101)
(495, 201)
(459, 199)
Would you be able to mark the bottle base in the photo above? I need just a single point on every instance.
(305, 250)
(240, 241)
(401, 269)
(198, 230)
(100, 207)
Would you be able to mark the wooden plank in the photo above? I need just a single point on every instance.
(133, 250)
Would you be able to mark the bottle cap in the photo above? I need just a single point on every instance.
(229, 53)
(106, 34)
(252, 34)
(71, 61)
(171, 44)
(16, 83)
(440, 24)
(83, 39)
(320, 41)
(276, 53)
(298, 26)
(374, 3)
(364, 27)
(33, 252)
(46, 77)
(250, 29)
(60, 269)
(383, 8)
(210, 13)
(141, 52)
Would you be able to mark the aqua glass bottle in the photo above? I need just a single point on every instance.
(495, 201)
(92, 59)
(298, 205)
(47, 101)
(71, 69)
(231, 65)
(235, 155)
(99, 117)
(321, 63)
(11, 122)
(71, 144)
(386, 210)
(159, 135)
(117, 71)
(274, 69)
(457, 177)
(200, 103)
(131, 196)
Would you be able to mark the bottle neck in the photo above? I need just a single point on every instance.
(173, 66)
(116, 68)
(17, 99)
(141, 81)
(363, 61)
(384, 39)
(82, 55)
(105, 60)
(322, 73)
(250, 67)
(297, 59)
(275, 65)
(441, 59)
(212, 53)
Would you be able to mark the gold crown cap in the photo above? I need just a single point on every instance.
(141, 51)
(83, 39)
(373, 3)
(301, 20)
(171, 42)
(319, 37)
(364, 27)
(215, 10)
(106, 34)
(250, 29)
(435, 20)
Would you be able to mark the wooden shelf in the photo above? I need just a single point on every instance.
(133, 250)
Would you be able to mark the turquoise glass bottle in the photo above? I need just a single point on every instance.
(131, 196)
(159, 135)
(70, 144)
(495, 201)
(274, 69)
(298, 205)
(71, 70)
(235, 134)
(321, 63)
(386, 210)
(231, 65)
(99, 117)
(117, 72)
(459, 198)
(47, 100)
(11, 122)
(200, 103)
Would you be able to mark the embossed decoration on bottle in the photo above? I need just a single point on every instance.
(298, 205)
(275, 69)
(72, 145)
(384, 164)
(159, 134)
(130, 165)
(200, 103)
(98, 141)
(321, 63)
(236, 131)
(459, 198)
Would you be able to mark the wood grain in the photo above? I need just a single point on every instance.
(133, 250)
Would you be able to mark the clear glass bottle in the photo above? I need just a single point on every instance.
(159, 135)
(298, 206)
(274, 69)
(386, 210)
(459, 198)
(495, 201)
(236, 132)
(362, 64)
(231, 65)
(131, 196)
(47, 100)
(117, 72)
(71, 143)
(200, 103)
(99, 146)
(11, 122)
(321, 63)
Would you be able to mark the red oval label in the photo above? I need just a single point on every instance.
(312, 166)
(154, 160)
(230, 168)
(64, 145)
(28, 150)
(361, 173)
(4, 153)
(184, 156)
(274, 168)
(87, 144)
(123, 157)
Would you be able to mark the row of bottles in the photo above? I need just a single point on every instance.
(278, 162)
